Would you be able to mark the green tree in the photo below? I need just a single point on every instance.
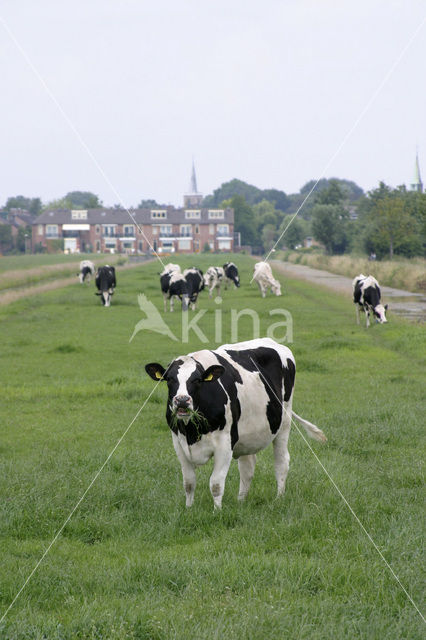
(33, 205)
(330, 227)
(244, 219)
(83, 200)
(265, 213)
(148, 204)
(294, 234)
(58, 204)
(269, 236)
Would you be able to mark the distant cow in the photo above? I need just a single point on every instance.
(174, 285)
(213, 279)
(106, 282)
(195, 281)
(231, 274)
(367, 296)
(87, 269)
(231, 403)
(265, 280)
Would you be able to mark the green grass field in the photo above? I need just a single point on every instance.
(132, 562)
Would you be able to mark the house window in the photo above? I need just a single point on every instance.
(111, 243)
(222, 229)
(79, 214)
(155, 230)
(216, 214)
(166, 230)
(167, 245)
(40, 229)
(52, 231)
(140, 245)
(197, 228)
(109, 230)
(224, 245)
(186, 229)
(158, 213)
(98, 229)
(129, 230)
(98, 246)
(211, 229)
(184, 244)
(192, 214)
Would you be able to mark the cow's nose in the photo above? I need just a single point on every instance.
(182, 401)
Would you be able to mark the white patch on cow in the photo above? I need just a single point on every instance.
(107, 298)
(185, 371)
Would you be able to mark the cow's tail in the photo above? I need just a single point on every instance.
(310, 428)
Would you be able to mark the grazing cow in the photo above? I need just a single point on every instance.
(87, 269)
(231, 403)
(264, 278)
(367, 296)
(174, 285)
(213, 279)
(195, 281)
(106, 282)
(231, 274)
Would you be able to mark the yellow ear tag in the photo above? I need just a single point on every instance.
(209, 377)
(158, 375)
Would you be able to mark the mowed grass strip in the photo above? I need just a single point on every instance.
(133, 562)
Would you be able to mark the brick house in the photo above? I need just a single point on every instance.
(166, 230)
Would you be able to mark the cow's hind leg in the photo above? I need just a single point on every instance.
(246, 465)
(281, 458)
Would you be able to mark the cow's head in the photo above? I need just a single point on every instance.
(379, 313)
(185, 379)
(80, 277)
(105, 296)
(276, 288)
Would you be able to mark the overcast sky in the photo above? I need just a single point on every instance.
(261, 91)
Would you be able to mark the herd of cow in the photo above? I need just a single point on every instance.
(233, 401)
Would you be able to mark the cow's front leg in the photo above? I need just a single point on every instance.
(246, 465)
(188, 472)
(165, 301)
(222, 461)
(357, 313)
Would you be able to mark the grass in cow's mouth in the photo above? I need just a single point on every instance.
(190, 415)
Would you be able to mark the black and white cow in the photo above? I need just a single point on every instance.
(174, 285)
(213, 279)
(105, 282)
(367, 296)
(87, 269)
(195, 281)
(231, 403)
(231, 274)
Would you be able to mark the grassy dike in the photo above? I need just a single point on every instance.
(132, 562)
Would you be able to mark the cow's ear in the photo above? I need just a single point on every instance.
(386, 307)
(213, 373)
(156, 371)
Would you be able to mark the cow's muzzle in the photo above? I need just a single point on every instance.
(182, 405)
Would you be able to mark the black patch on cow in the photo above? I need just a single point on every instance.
(229, 380)
(85, 272)
(105, 280)
(289, 377)
(267, 363)
(372, 296)
(231, 272)
(195, 283)
(165, 281)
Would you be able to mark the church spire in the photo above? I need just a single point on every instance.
(193, 198)
(417, 184)
(193, 187)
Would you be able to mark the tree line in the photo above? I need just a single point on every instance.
(334, 212)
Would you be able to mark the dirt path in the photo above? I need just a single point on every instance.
(405, 303)
(11, 295)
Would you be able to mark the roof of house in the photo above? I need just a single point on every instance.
(121, 216)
